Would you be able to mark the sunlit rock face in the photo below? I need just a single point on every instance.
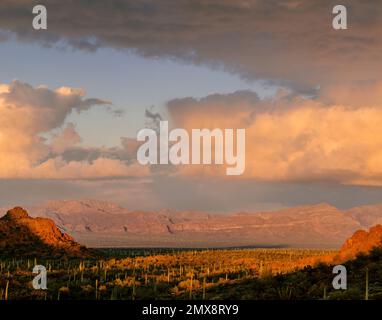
(22, 235)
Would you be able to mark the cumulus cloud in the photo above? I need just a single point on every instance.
(286, 41)
(65, 139)
(29, 114)
(293, 138)
(354, 95)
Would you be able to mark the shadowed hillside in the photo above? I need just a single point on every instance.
(22, 235)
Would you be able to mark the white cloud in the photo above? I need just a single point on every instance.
(292, 138)
(26, 113)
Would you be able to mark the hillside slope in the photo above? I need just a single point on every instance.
(361, 242)
(22, 235)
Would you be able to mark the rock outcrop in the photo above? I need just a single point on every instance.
(22, 235)
(361, 242)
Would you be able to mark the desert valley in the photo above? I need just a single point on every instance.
(134, 269)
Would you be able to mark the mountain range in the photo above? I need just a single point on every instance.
(104, 224)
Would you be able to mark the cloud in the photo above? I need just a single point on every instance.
(152, 119)
(58, 168)
(133, 193)
(289, 42)
(65, 139)
(355, 95)
(294, 138)
(332, 136)
(290, 138)
(28, 116)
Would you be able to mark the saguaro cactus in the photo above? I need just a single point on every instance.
(191, 283)
(204, 288)
(6, 290)
(367, 284)
(96, 289)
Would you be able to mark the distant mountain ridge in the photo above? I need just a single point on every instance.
(103, 224)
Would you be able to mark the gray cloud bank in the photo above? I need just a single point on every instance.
(286, 41)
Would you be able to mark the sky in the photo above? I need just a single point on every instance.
(74, 96)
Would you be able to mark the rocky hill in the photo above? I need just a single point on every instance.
(24, 236)
(361, 242)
